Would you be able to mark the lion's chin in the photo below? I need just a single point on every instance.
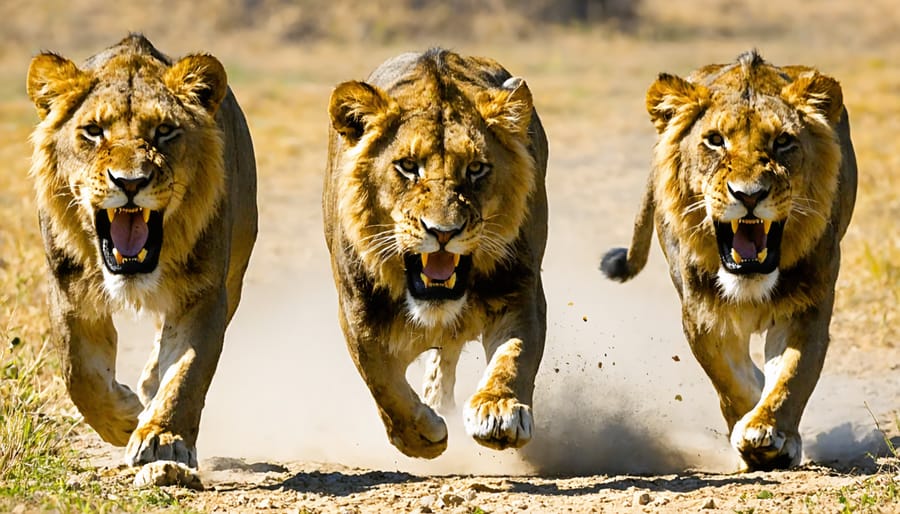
(757, 287)
(130, 239)
(434, 313)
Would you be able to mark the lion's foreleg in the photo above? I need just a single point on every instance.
(89, 368)
(189, 350)
(768, 436)
(148, 383)
(413, 427)
(498, 415)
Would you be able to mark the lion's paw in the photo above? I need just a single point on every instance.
(423, 436)
(498, 423)
(763, 447)
(163, 472)
(151, 443)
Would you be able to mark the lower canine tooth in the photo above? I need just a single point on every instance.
(761, 256)
(142, 255)
(425, 278)
(451, 282)
(735, 256)
(118, 256)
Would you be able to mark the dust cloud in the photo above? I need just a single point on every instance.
(618, 390)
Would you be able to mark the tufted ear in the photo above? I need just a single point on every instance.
(509, 107)
(356, 108)
(198, 79)
(670, 97)
(54, 81)
(816, 94)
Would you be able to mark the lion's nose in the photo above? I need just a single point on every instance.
(749, 198)
(130, 186)
(443, 233)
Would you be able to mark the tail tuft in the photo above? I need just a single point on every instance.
(615, 265)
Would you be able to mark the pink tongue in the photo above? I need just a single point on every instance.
(440, 266)
(747, 239)
(129, 233)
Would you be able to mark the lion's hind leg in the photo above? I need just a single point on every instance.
(440, 377)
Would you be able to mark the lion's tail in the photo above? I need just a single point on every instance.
(622, 264)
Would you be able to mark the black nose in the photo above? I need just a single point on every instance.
(130, 186)
(750, 200)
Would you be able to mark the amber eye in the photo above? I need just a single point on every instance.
(408, 168)
(784, 142)
(476, 169)
(165, 132)
(714, 140)
(92, 131)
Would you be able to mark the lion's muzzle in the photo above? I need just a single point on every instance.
(130, 239)
(749, 244)
(437, 275)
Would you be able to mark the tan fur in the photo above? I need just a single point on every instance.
(131, 128)
(780, 138)
(405, 177)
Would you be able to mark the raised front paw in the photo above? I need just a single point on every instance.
(763, 447)
(498, 423)
(422, 435)
(151, 443)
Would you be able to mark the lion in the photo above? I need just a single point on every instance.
(435, 216)
(146, 194)
(752, 187)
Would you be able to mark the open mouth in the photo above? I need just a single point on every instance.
(749, 245)
(130, 239)
(437, 275)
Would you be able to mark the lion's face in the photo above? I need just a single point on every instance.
(117, 155)
(750, 170)
(438, 187)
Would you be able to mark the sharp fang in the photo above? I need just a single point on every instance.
(451, 282)
(761, 256)
(767, 224)
(734, 225)
(111, 214)
(425, 278)
(456, 257)
(142, 255)
(146, 214)
(118, 256)
(735, 256)
(424, 260)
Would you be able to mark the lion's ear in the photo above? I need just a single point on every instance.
(53, 80)
(356, 108)
(816, 94)
(670, 97)
(198, 79)
(508, 107)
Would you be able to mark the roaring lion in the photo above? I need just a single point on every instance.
(751, 190)
(146, 191)
(436, 220)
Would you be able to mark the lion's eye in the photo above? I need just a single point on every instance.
(784, 142)
(165, 132)
(476, 170)
(408, 168)
(714, 140)
(92, 131)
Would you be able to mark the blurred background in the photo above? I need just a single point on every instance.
(618, 390)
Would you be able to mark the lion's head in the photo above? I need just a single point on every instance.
(122, 143)
(436, 178)
(747, 166)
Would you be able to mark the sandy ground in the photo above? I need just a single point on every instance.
(625, 417)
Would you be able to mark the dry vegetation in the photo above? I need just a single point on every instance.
(588, 68)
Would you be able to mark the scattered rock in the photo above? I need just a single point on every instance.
(427, 501)
(708, 503)
(641, 498)
(265, 503)
(470, 495)
(452, 500)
